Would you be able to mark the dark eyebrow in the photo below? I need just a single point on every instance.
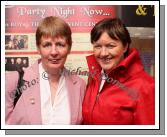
(110, 43)
(60, 42)
(46, 42)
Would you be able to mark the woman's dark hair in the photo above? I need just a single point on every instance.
(114, 28)
(53, 27)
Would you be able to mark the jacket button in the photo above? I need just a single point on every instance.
(74, 82)
(32, 101)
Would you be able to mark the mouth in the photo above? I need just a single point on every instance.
(105, 60)
(54, 61)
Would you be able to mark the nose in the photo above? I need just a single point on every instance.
(104, 52)
(54, 50)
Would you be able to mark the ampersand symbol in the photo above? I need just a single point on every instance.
(141, 10)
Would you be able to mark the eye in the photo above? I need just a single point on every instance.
(97, 46)
(110, 46)
(59, 44)
(46, 45)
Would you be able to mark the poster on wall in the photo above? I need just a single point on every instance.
(21, 22)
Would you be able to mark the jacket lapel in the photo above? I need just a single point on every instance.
(31, 95)
(74, 96)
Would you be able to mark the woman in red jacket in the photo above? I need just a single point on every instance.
(119, 91)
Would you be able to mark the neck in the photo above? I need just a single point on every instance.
(54, 78)
(53, 75)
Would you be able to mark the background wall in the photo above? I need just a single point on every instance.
(22, 21)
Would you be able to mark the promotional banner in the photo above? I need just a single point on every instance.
(21, 22)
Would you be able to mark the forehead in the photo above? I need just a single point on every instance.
(49, 38)
(105, 38)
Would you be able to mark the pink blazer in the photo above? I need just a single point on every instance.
(28, 108)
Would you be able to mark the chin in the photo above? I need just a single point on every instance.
(55, 66)
(107, 68)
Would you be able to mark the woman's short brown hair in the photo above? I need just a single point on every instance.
(53, 27)
(114, 28)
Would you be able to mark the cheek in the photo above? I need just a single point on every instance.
(118, 53)
(96, 53)
(44, 54)
(119, 57)
(41, 51)
(64, 53)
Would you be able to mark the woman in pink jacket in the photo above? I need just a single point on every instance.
(49, 96)
(119, 91)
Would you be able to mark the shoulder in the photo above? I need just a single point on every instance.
(145, 79)
(142, 78)
(11, 75)
(31, 72)
(144, 84)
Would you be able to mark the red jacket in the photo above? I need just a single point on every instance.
(127, 96)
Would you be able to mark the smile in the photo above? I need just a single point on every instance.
(54, 61)
(106, 60)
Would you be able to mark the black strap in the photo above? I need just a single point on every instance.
(19, 86)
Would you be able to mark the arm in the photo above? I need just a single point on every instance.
(145, 110)
(82, 94)
(11, 80)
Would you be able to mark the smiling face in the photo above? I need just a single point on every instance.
(108, 52)
(53, 53)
